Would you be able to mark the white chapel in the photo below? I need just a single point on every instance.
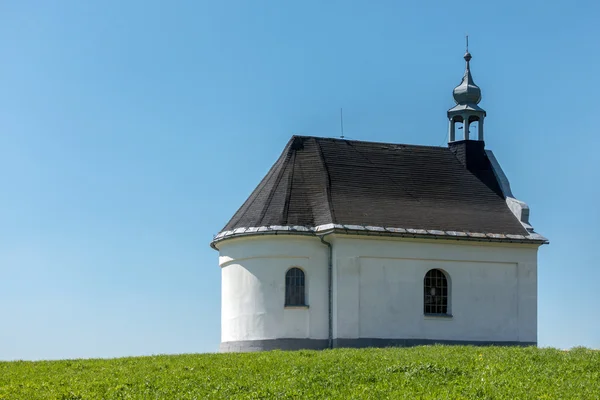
(348, 243)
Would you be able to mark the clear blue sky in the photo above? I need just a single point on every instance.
(130, 131)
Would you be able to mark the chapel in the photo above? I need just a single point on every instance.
(348, 243)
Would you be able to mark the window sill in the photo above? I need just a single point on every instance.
(295, 307)
(437, 316)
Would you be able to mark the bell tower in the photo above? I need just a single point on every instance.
(466, 114)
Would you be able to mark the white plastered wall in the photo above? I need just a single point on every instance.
(378, 289)
(253, 288)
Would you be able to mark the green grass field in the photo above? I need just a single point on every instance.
(428, 372)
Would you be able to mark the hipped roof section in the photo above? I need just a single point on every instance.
(319, 182)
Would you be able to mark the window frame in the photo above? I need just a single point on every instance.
(302, 302)
(445, 279)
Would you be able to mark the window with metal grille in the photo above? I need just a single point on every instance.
(294, 287)
(436, 292)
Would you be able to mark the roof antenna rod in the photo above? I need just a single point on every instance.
(467, 43)
(342, 123)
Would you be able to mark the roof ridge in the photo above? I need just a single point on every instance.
(318, 138)
(250, 200)
(328, 185)
(288, 194)
(287, 154)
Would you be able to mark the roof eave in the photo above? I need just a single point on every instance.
(532, 238)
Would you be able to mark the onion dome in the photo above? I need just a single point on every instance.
(467, 92)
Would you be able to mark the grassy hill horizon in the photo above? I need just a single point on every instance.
(426, 372)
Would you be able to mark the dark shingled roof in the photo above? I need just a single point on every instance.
(319, 181)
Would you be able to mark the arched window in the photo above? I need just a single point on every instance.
(294, 287)
(436, 292)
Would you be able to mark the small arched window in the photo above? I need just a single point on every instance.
(295, 287)
(436, 292)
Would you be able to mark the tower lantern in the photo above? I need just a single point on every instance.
(467, 96)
